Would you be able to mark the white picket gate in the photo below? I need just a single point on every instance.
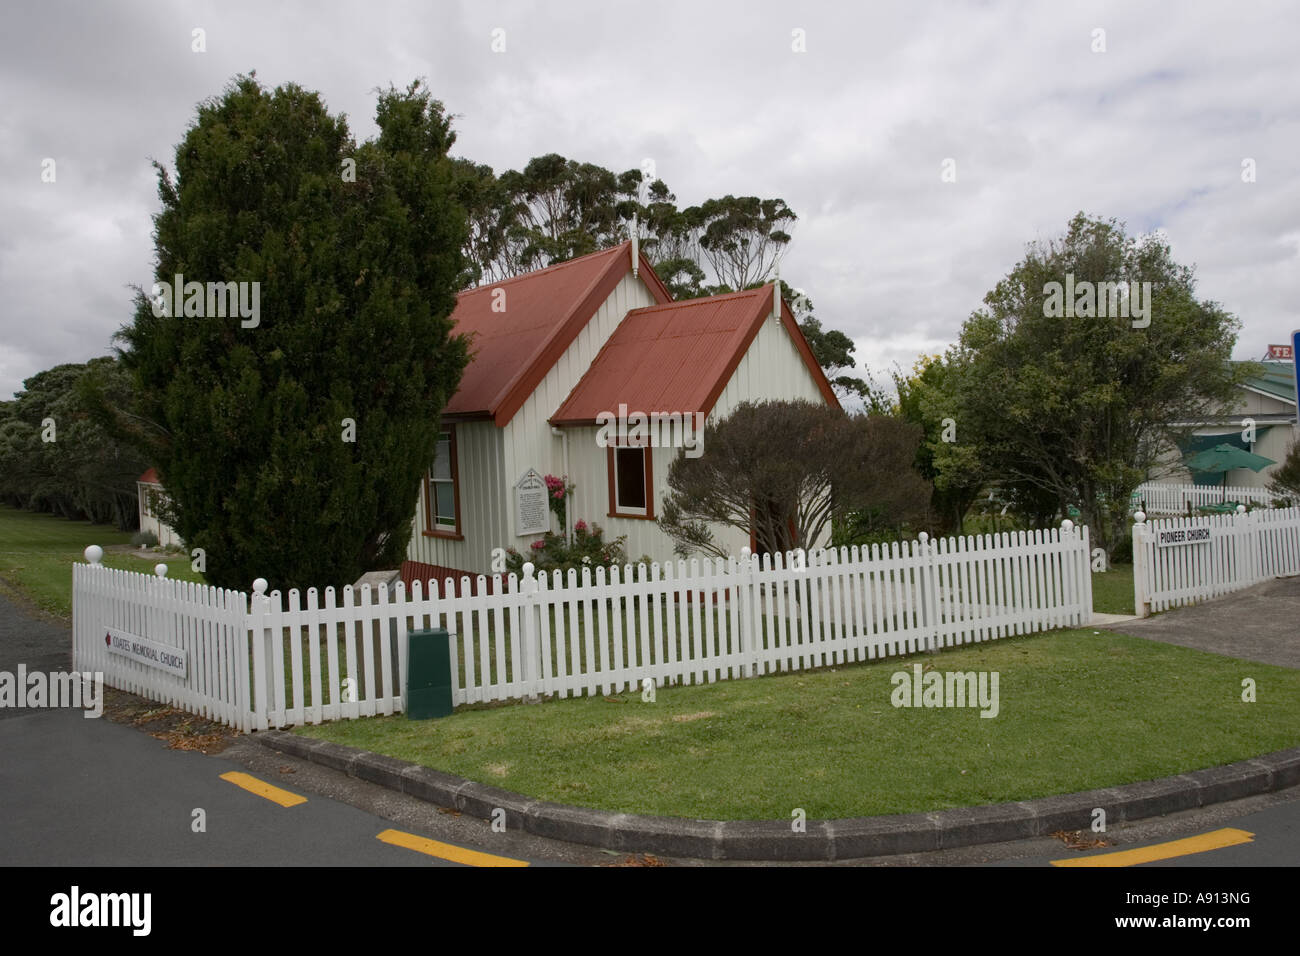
(277, 660)
(1180, 561)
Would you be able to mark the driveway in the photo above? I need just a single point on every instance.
(1261, 623)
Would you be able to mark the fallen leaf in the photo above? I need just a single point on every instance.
(1075, 840)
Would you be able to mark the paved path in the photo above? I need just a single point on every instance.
(30, 637)
(1261, 623)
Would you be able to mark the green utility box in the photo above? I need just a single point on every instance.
(428, 674)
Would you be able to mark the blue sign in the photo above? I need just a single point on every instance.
(1295, 362)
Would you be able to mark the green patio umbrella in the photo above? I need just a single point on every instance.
(1222, 459)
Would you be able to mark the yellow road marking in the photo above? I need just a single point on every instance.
(446, 851)
(263, 789)
(1214, 840)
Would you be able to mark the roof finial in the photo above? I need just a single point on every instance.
(776, 292)
(636, 248)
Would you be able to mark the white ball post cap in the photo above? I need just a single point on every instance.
(260, 585)
(94, 554)
(1241, 509)
(1139, 516)
(1067, 525)
(160, 570)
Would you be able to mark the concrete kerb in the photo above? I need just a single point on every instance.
(775, 840)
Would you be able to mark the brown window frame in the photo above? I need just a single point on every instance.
(610, 467)
(431, 529)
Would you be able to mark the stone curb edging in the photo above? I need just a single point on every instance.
(825, 840)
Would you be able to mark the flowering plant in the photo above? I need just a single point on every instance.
(588, 549)
(557, 493)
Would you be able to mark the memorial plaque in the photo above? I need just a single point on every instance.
(532, 514)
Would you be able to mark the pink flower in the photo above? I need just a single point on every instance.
(580, 526)
(538, 545)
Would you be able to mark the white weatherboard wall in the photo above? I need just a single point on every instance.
(484, 520)
(289, 659)
(1241, 550)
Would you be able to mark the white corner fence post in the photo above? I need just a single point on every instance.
(1073, 582)
(529, 648)
(1141, 589)
(84, 609)
(259, 700)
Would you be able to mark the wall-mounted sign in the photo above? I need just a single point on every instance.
(1165, 539)
(143, 651)
(1284, 352)
(532, 514)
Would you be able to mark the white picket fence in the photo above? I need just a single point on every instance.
(1172, 499)
(1180, 561)
(209, 624)
(277, 660)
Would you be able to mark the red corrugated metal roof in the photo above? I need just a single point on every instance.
(150, 477)
(678, 357)
(512, 350)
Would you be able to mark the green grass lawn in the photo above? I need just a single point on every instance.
(37, 552)
(1112, 590)
(1078, 710)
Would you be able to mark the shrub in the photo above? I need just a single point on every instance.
(144, 539)
(588, 550)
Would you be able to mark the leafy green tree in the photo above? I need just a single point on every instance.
(741, 237)
(1078, 407)
(927, 398)
(84, 472)
(292, 447)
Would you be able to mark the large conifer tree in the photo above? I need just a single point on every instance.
(356, 250)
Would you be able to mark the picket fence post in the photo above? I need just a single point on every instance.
(929, 593)
(744, 592)
(529, 649)
(1085, 566)
(1250, 536)
(83, 618)
(259, 700)
(1141, 599)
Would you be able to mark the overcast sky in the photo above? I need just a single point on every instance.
(852, 133)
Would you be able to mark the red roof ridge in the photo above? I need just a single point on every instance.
(703, 300)
(553, 267)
